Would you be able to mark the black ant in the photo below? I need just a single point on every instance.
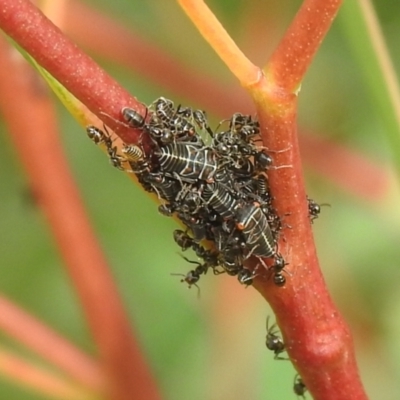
(274, 342)
(299, 387)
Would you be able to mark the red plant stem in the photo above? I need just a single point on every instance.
(38, 379)
(48, 344)
(296, 50)
(317, 339)
(37, 142)
(22, 21)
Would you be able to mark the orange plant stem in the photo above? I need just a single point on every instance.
(21, 326)
(217, 37)
(39, 379)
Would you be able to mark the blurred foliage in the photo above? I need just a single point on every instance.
(211, 348)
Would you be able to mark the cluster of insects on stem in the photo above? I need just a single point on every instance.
(214, 181)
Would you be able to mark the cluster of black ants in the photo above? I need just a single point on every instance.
(219, 190)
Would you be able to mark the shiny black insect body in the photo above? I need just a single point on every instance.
(241, 171)
(299, 387)
(274, 342)
(220, 199)
(193, 276)
(236, 152)
(182, 239)
(196, 116)
(115, 159)
(231, 246)
(196, 224)
(255, 228)
(187, 162)
(184, 130)
(210, 261)
(133, 118)
(245, 276)
(277, 269)
(232, 261)
(96, 135)
(164, 110)
(103, 137)
(169, 125)
(314, 209)
(186, 112)
(231, 146)
(167, 188)
(190, 200)
(185, 242)
(244, 126)
(262, 161)
(162, 135)
(225, 177)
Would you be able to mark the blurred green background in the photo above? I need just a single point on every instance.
(214, 347)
